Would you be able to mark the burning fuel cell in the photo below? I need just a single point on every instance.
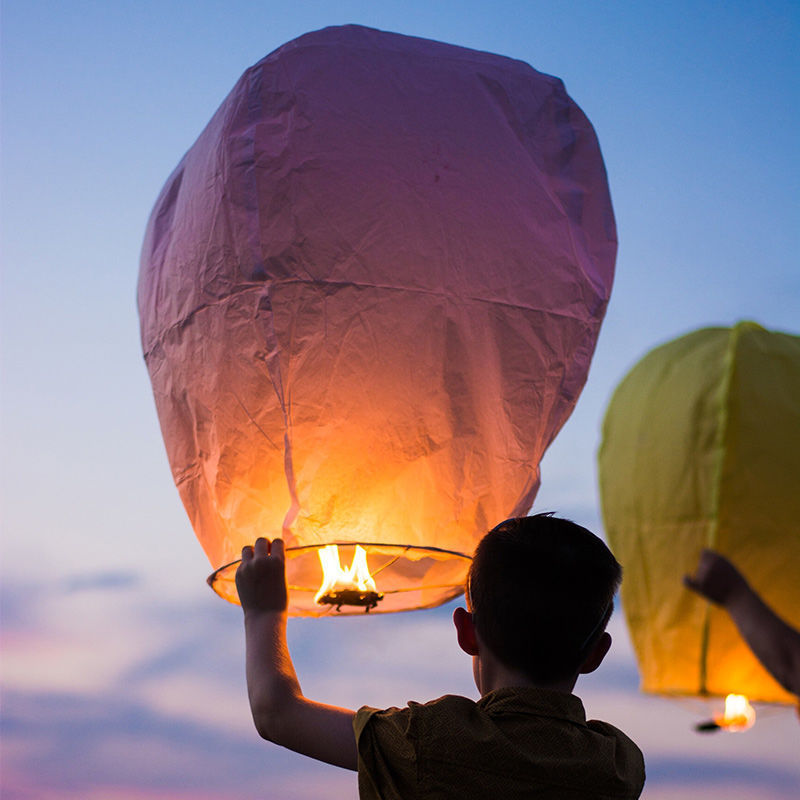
(353, 586)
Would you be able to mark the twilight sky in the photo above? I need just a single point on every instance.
(122, 673)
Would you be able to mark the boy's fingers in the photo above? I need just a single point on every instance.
(263, 548)
(277, 549)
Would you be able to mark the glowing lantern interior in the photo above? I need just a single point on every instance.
(369, 297)
(701, 448)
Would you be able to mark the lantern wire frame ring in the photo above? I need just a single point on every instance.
(222, 580)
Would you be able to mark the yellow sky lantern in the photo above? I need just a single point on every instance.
(701, 448)
(369, 297)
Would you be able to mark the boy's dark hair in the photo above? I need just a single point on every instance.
(541, 590)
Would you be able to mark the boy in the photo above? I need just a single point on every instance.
(540, 593)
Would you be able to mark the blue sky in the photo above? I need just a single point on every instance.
(122, 674)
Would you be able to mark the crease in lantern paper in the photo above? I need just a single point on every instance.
(355, 284)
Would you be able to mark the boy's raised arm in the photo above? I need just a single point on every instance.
(280, 711)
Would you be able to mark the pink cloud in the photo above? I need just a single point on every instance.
(155, 706)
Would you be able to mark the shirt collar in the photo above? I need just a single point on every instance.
(535, 701)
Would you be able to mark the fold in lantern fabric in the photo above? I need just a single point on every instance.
(701, 448)
(369, 297)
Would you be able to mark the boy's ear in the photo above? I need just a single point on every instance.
(596, 654)
(465, 631)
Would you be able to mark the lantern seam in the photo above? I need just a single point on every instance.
(720, 443)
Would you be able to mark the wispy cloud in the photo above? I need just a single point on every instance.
(126, 695)
(746, 777)
(102, 581)
(69, 745)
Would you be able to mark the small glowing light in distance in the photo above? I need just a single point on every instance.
(739, 714)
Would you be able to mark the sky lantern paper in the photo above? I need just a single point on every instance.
(701, 448)
(369, 296)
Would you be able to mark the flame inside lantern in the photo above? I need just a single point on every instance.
(739, 715)
(352, 586)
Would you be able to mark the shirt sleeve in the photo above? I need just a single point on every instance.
(387, 753)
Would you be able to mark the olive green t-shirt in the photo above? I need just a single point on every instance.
(511, 744)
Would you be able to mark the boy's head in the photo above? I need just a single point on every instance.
(541, 591)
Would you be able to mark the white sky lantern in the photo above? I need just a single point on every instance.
(369, 297)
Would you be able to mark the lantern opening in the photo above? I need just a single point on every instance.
(351, 586)
(411, 577)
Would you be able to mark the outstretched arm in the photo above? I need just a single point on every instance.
(775, 643)
(280, 711)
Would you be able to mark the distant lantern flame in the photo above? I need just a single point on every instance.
(739, 714)
(351, 586)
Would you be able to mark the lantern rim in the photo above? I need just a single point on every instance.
(221, 580)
